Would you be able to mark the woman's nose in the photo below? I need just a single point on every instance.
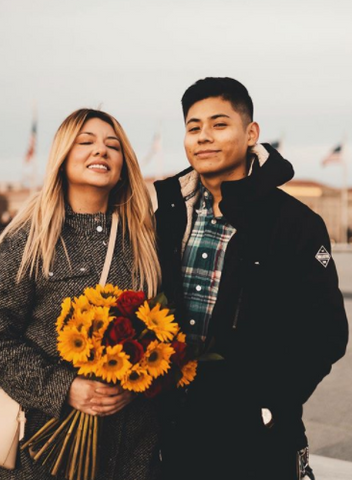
(100, 150)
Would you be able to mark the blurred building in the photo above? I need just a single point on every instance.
(322, 199)
(327, 202)
(12, 197)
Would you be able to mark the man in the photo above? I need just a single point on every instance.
(250, 271)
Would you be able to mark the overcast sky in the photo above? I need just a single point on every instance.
(135, 58)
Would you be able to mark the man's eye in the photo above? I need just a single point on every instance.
(194, 129)
(220, 125)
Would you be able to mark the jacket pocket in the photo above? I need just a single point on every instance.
(67, 273)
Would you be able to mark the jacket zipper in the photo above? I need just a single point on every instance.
(238, 309)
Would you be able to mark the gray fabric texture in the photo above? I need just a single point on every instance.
(30, 368)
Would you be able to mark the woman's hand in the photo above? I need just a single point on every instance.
(96, 398)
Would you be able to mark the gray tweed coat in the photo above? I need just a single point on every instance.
(30, 369)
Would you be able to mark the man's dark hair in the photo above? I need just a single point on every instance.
(224, 87)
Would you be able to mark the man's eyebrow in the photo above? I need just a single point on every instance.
(213, 117)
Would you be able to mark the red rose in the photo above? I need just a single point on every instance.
(129, 301)
(161, 383)
(134, 350)
(155, 388)
(180, 355)
(145, 341)
(120, 329)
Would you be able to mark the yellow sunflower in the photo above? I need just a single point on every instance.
(189, 372)
(157, 358)
(103, 296)
(73, 345)
(101, 320)
(114, 364)
(81, 319)
(159, 321)
(65, 310)
(90, 366)
(137, 379)
(81, 303)
(181, 337)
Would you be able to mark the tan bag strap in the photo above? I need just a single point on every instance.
(110, 250)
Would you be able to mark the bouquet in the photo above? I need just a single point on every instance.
(114, 336)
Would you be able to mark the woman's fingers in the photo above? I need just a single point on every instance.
(112, 404)
(97, 399)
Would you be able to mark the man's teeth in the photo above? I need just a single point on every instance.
(102, 167)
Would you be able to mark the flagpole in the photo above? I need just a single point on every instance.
(29, 173)
(33, 176)
(344, 196)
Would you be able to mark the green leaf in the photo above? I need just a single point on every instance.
(211, 356)
(160, 298)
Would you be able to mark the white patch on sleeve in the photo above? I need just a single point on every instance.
(323, 256)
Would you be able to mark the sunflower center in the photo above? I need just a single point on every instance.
(134, 376)
(112, 362)
(77, 342)
(153, 357)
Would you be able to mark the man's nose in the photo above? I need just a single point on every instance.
(204, 135)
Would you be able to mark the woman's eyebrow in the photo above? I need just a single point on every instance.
(93, 134)
(86, 133)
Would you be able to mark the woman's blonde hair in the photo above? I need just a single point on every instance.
(44, 213)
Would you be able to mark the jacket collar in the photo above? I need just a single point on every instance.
(267, 171)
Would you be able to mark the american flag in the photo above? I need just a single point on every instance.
(32, 142)
(335, 156)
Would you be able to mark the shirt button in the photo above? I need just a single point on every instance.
(99, 228)
(173, 205)
(82, 269)
(198, 288)
(213, 221)
(206, 194)
(51, 274)
(204, 255)
(192, 322)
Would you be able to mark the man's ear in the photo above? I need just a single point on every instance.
(253, 131)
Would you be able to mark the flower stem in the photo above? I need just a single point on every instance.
(77, 444)
(54, 435)
(83, 444)
(95, 448)
(44, 428)
(63, 448)
(89, 446)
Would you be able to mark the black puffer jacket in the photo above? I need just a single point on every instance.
(279, 319)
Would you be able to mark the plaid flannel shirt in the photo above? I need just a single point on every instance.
(202, 265)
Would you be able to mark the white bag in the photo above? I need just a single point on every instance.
(12, 421)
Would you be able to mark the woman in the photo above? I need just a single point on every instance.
(55, 247)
